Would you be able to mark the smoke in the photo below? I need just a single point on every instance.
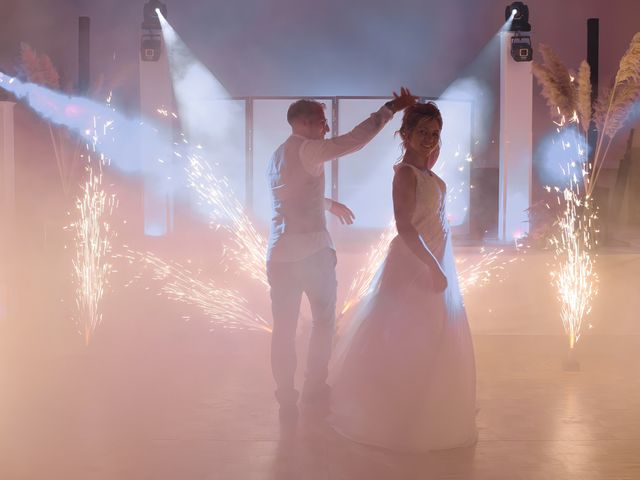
(561, 156)
(116, 136)
(209, 117)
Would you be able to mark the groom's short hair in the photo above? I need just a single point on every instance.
(305, 108)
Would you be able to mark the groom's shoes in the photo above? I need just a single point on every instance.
(288, 401)
(288, 414)
(316, 400)
(316, 394)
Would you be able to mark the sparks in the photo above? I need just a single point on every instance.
(225, 308)
(93, 237)
(361, 284)
(91, 265)
(248, 247)
(490, 266)
(472, 274)
(575, 278)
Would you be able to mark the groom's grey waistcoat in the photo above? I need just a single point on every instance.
(298, 203)
(297, 195)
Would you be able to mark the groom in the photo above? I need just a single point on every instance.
(301, 257)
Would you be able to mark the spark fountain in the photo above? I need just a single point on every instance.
(569, 97)
(93, 235)
(91, 264)
(248, 247)
(575, 278)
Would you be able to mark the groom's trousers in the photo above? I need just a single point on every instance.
(315, 276)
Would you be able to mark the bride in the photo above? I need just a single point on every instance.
(404, 373)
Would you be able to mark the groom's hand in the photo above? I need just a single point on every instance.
(343, 212)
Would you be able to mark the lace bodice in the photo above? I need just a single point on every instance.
(429, 217)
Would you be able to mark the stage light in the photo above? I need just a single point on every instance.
(521, 50)
(151, 41)
(150, 13)
(517, 18)
(520, 13)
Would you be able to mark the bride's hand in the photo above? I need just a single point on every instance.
(402, 101)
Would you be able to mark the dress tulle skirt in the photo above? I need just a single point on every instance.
(404, 373)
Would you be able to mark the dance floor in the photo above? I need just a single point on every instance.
(196, 406)
(157, 397)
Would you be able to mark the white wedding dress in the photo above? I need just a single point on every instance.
(403, 376)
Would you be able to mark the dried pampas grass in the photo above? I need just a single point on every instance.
(629, 70)
(614, 108)
(39, 67)
(555, 80)
(583, 95)
(611, 111)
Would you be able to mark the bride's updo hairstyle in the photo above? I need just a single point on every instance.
(415, 113)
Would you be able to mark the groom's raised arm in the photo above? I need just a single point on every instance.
(314, 153)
